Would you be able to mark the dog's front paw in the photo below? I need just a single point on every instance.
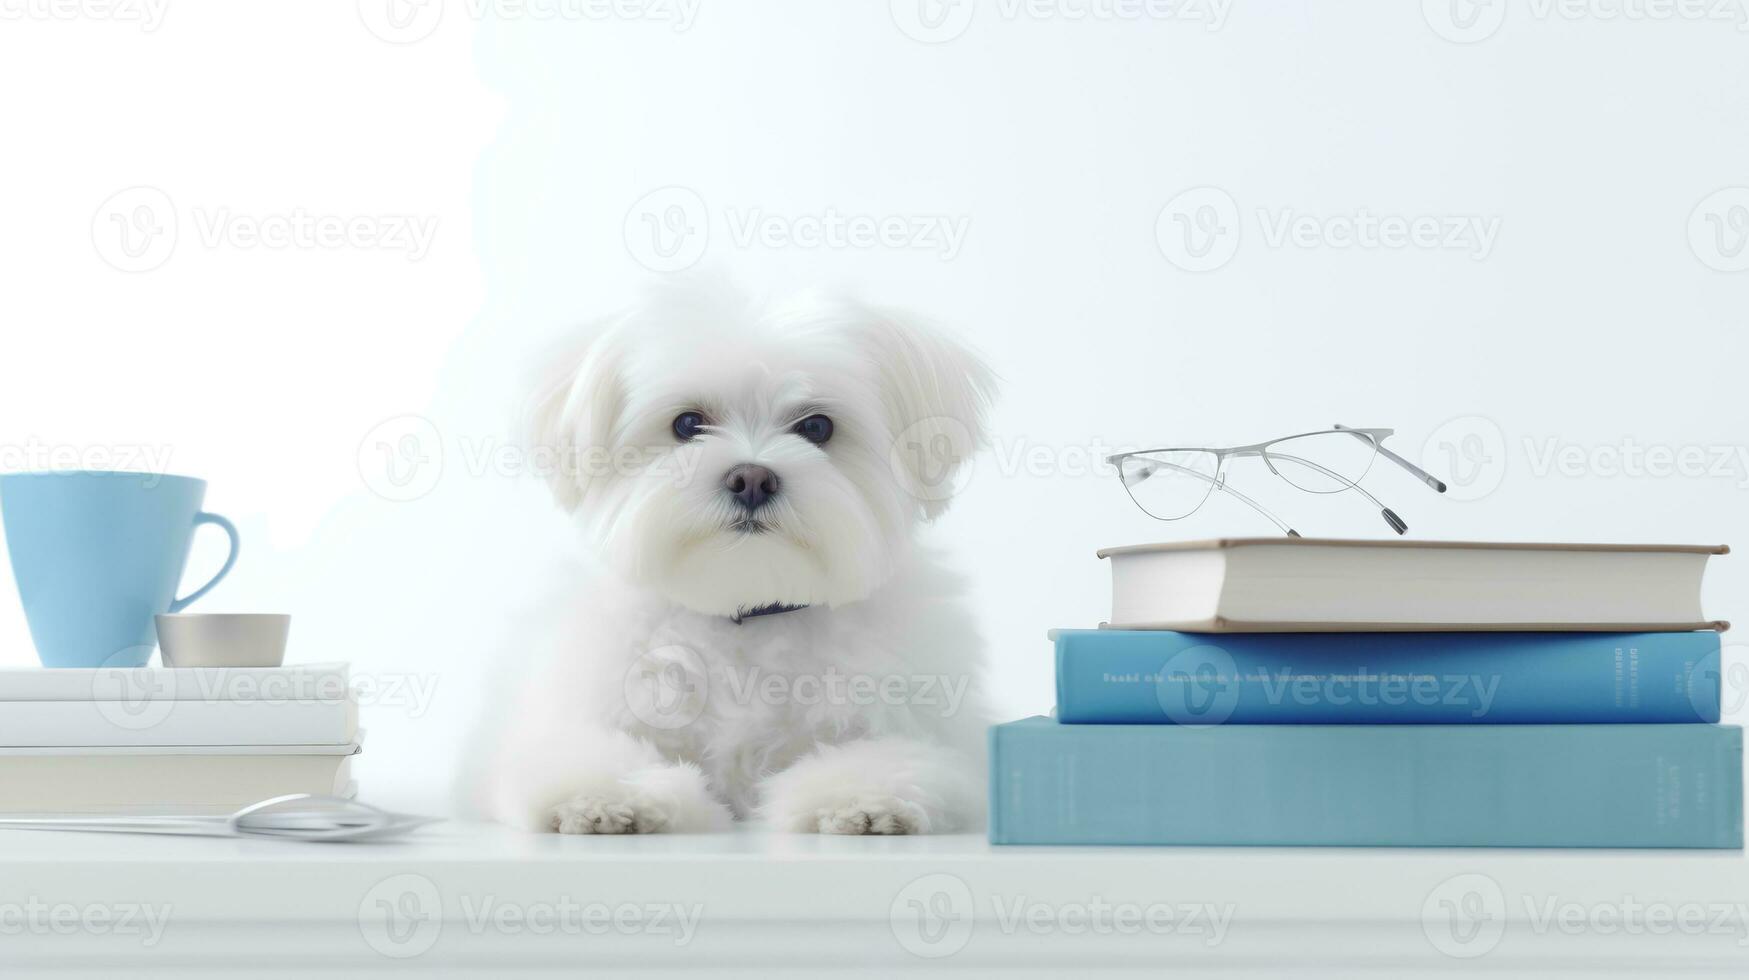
(586, 815)
(877, 786)
(671, 799)
(881, 816)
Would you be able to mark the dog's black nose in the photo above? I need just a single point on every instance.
(751, 485)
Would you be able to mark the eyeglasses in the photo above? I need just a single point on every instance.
(1169, 484)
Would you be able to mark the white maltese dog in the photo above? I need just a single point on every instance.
(763, 637)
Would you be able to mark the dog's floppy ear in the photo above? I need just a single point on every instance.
(569, 423)
(937, 396)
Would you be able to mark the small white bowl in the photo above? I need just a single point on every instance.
(223, 639)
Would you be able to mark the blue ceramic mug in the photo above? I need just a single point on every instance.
(97, 554)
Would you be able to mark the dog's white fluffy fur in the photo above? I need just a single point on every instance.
(647, 708)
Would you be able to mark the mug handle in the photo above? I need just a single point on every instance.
(177, 605)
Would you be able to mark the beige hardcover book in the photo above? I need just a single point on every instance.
(1270, 585)
(180, 779)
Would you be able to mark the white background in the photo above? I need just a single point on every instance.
(1605, 314)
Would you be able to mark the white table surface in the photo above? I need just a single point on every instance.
(461, 899)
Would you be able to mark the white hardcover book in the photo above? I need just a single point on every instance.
(170, 722)
(1312, 584)
(297, 682)
(218, 779)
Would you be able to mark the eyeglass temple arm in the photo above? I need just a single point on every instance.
(1397, 523)
(1376, 436)
(1221, 484)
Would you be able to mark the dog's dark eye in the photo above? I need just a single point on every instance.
(687, 426)
(815, 428)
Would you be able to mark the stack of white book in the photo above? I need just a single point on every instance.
(174, 739)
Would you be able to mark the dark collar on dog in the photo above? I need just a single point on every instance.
(769, 609)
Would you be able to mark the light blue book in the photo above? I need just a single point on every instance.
(1164, 677)
(1367, 785)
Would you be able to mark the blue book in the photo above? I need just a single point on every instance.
(1367, 785)
(1162, 677)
